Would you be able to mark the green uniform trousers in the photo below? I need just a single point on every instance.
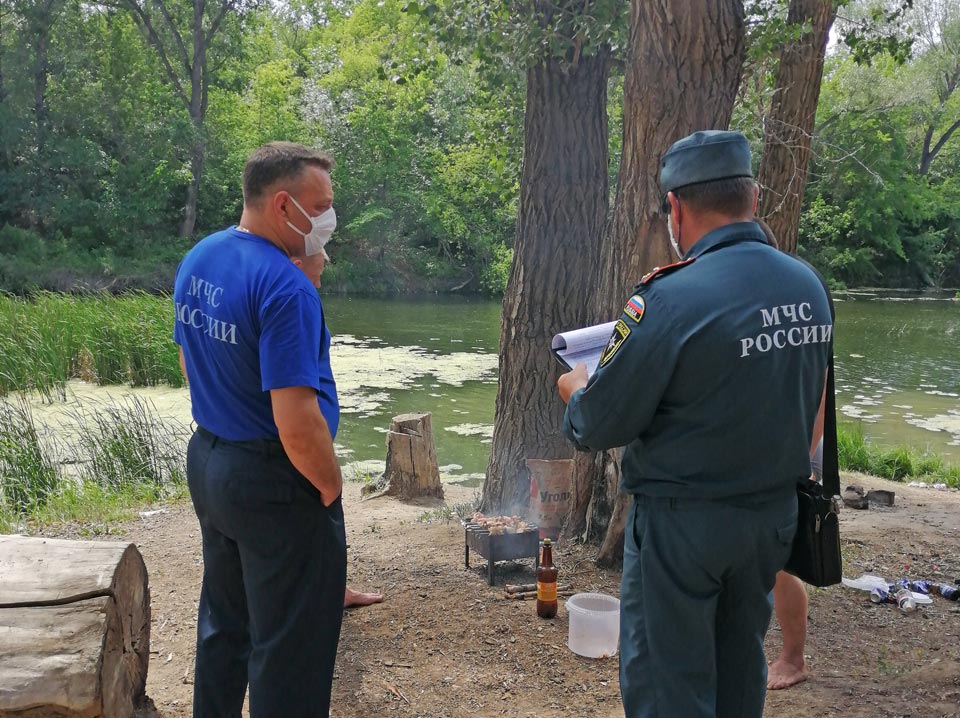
(695, 604)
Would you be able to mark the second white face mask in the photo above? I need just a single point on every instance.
(321, 227)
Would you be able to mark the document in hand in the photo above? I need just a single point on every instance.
(582, 346)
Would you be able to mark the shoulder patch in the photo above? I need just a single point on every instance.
(620, 333)
(635, 307)
(662, 271)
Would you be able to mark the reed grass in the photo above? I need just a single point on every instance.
(124, 444)
(47, 339)
(855, 453)
(28, 476)
(122, 455)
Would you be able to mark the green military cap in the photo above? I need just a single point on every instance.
(703, 157)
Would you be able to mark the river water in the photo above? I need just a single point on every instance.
(898, 375)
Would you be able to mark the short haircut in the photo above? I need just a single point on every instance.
(276, 161)
(732, 197)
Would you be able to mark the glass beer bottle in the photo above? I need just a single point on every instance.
(547, 583)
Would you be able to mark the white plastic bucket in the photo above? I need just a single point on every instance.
(594, 625)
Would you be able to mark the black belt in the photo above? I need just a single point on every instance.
(746, 501)
(268, 447)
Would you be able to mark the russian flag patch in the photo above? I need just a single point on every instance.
(635, 308)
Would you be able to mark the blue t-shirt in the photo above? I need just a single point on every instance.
(249, 321)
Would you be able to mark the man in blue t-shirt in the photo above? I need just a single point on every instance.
(261, 466)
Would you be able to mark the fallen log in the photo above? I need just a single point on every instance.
(74, 628)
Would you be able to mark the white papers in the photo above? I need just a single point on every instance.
(583, 345)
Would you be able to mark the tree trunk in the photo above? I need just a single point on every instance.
(412, 469)
(684, 65)
(3, 87)
(193, 189)
(554, 277)
(198, 111)
(74, 628)
(788, 129)
(41, 70)
(683, 70)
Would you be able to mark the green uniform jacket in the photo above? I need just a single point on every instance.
(714, 373)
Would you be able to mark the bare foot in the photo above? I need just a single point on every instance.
(784, 674)
(353, 598)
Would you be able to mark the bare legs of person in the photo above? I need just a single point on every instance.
(790, 605)
(353, 598)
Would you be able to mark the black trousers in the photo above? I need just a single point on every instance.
(274, 573)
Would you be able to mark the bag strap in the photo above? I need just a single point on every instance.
(831, 461)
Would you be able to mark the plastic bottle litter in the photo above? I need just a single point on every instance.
(951, 593)
(920, 590)
(905, 602)
(866, 582)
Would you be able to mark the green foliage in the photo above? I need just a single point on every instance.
(499, 32)
(422, 104)
(870, 216)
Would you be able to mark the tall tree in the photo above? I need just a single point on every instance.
(939, 33)
(683, 70)
(182, 36)
(39, 17)
(788, 127)
(563, 209)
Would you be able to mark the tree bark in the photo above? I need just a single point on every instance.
(683, 70)
(74, 628)
(788, 129)
(553, 279)
(685, 59)
(197, 153)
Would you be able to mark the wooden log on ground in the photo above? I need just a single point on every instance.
(74, 628)
(412, 469)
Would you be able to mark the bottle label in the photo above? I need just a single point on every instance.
(546, 591)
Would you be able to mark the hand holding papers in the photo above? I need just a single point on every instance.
(582, 345)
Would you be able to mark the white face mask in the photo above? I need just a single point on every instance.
(321, 227)
(673, 240)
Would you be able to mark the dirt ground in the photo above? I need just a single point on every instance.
(444, 644)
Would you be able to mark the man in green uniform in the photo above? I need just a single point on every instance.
(711, 381)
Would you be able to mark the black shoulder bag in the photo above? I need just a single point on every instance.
(815, 557)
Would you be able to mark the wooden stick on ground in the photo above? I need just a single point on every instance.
(523, 587)
(524, 595)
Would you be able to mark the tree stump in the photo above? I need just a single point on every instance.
(74, 628)
(412, 470)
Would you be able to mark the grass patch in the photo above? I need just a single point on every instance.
(855, 453)
(126, 457)
(47, 339)
(28, 476)
(466, 509)
(441, 513)
(446, 513)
